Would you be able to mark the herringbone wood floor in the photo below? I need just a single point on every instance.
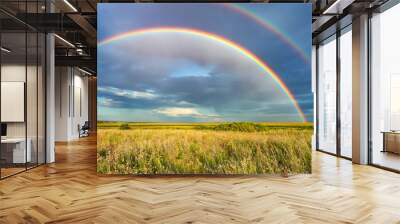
(70, 191)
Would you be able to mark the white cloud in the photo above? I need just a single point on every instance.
(148, 94)
(106, 102)
(182, 112)
(183, 103)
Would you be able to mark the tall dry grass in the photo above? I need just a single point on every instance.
(172, 151)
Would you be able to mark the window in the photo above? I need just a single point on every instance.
(385, 89)
(346, 92)
(327, 95)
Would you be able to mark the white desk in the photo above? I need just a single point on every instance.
(19, 155)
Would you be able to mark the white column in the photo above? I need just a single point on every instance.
(360, 90)
(50, 99)
(50, 92)
(62, 103)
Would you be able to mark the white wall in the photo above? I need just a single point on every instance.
(62, 82)
(16, 73)
(12, 73)
(80, 104)
(71, 102)
(33, 127)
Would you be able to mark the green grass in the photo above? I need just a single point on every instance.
(203, 126)
(204, 148)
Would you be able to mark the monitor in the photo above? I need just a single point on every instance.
(3, 129)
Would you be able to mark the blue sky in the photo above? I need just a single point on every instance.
(174, 77)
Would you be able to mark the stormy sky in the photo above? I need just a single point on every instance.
(178, 77)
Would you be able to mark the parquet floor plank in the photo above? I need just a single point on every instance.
(70, 191)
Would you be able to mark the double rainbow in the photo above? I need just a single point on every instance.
(240, 9)
(219, 39)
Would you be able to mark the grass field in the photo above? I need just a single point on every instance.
(204, 148)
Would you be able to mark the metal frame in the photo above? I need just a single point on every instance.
(0, 94)
(316, 97)
(387, 5)
(26, 90)
(338, 152)
(338, 98)
(317, 103)
(369, 98)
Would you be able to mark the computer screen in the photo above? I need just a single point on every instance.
(3, 129)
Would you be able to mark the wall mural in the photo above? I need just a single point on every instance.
(196, 88)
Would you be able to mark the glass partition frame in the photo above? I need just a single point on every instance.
(335, 149)
(30, 56)
(380, 72)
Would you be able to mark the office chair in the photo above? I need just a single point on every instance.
(84, 130)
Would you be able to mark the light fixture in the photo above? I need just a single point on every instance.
(337, 7)
(70, 5)
(84, 71)
(65, 41)
(327, 11)
(5, 50)
(80, 51)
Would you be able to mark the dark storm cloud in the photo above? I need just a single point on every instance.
(232, 81)
(203, 79)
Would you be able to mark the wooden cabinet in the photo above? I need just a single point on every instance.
(391, 142)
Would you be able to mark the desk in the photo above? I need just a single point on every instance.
(17, 152)
(391, 141)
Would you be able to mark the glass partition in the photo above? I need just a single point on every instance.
(385, 89)
(346, 93)
(13, 109)
(327, 95)
(22, 78)
(31, 97)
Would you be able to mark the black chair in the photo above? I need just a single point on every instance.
(84, 130)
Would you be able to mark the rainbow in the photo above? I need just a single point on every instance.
(218, 39)
(240, 9)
